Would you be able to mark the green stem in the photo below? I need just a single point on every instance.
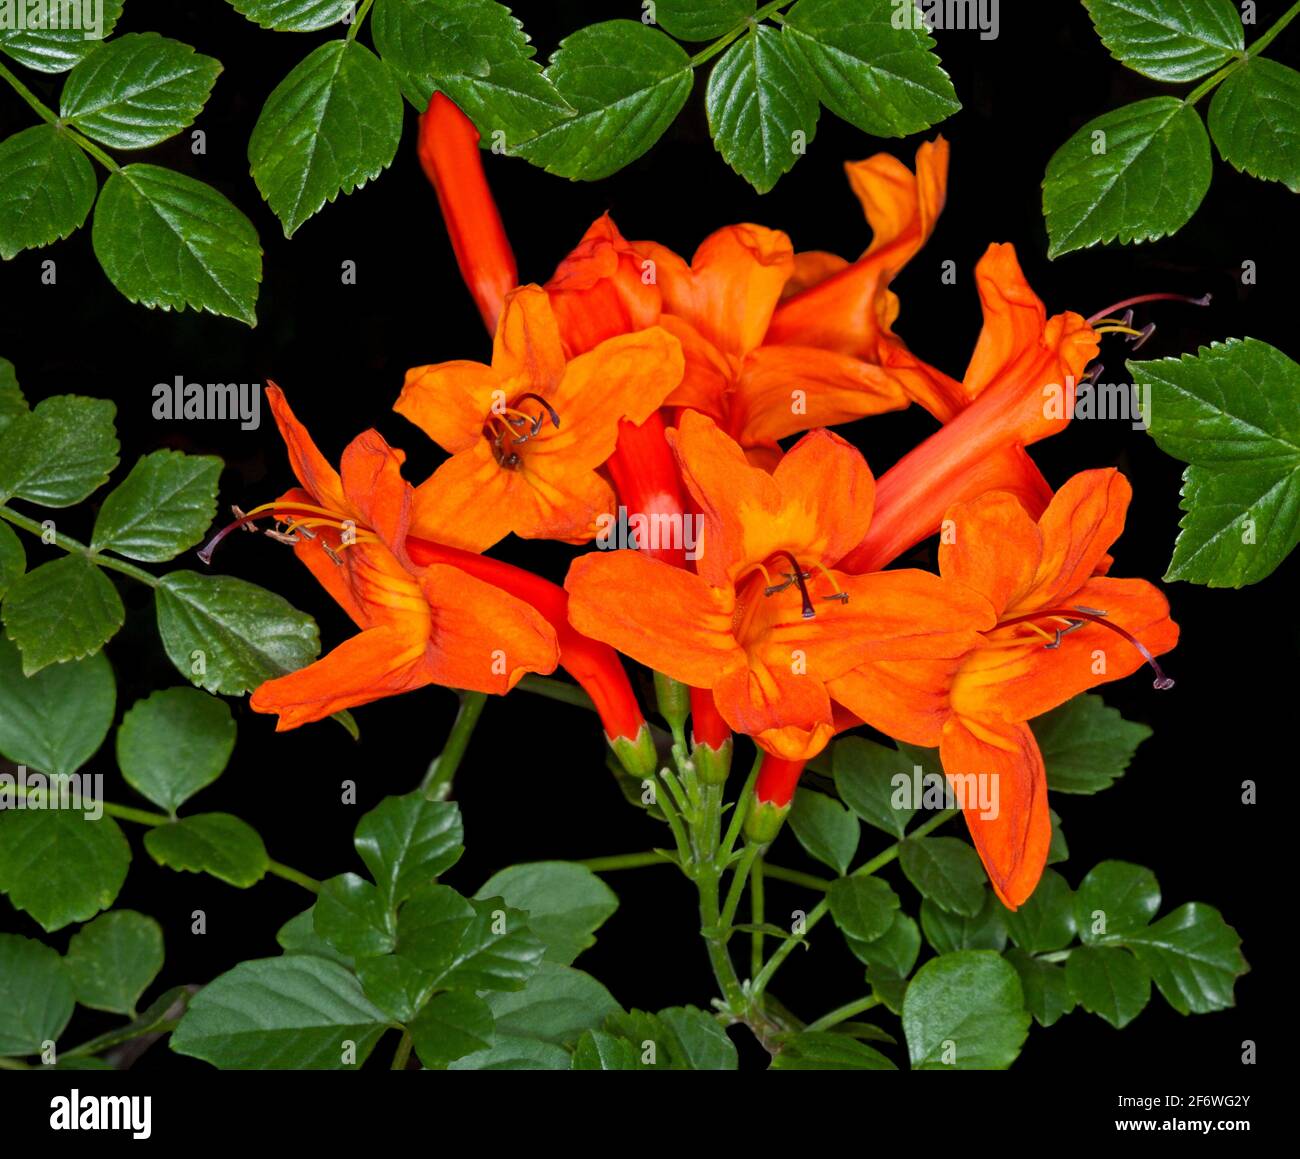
(742, 806)
(436, 785)
(75, 547)
(554, 689)
(294, 875)
(359, 19)
(1264, 41)
(89, 146)
(756, 916)
(738, 881)
(796, 877)
(710, 51)
(624, 861)
(842, 1013)
(30, 97)
(1211, 81)
(1254, 50)
(402, 1055)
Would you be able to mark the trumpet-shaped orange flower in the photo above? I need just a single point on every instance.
(527, 434)
(766, 622)
(1061, 628)
(419, 625)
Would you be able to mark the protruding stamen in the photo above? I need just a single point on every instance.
(1095, 616)
(1203, 300)
(839, 593)
(299, 511)
(550, 410)
(798, 576)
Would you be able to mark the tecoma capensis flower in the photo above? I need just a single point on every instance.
(766, 622)
(527, 434)
(1061, 628)
(420, 625)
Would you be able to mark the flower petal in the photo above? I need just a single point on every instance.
(450, 401)
(786, 713)
(311, 468)
(991, 546)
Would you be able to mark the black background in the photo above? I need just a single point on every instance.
(533, 784)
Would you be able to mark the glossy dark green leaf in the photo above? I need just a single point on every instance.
(1046, 920)
(63, 610)
(894, 953)
(59, 452)
(1115, 898)
(600, 1050)
(965, 1011)
(450, 1026)
(1255, 121)
(352, 916)
(47, 187)
(701, 19)
(408, 841)
(298, 936)
(949, 932)
(863, 907)
(825, 828)
(1108, 982)
(1166, 41)
(216, 843)
(1193, 956)
(36, 999)
(113, 959)
(1232, 412)
(1047, 992)
(396, 985)
(819, 1051)
(565, 902)
(947, 871)
(868, 777)
(295, 15)
(173, 743)
(58, 49)
(556, 1005)
(163, 506)
(1086, 746)
(13, 559)
(12, 403)
(509, 1053)
(680, 1038)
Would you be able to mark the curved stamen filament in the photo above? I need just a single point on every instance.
(839, 593)
(1203, 300)
(302, 514)
(1076, 617)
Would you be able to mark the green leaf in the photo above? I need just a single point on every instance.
(1193, 955)
(1255, 123)
(298, 936)
(762, 106)
(167, 1006)
(1047, 993)
(295, 1012)
(64, 610)
(162, 507)
(948, 932)
(1058, 850)
(36, 998)
(566, 903)
(600, 1050)
(216, 843)
(139, 90)
(54, 721)
(894, 953)
(556, 1005)
(113, 960)
(450, 1026)
(946, 870)
(1232, 412)
(83, 863)
(228, 635)
(1086, 746)
(508, 1053)
(1116, 898)
(46, 189)
(13, 559)
(393, 983)
(697, 1040)
(12, 403)
(60, 452)
(1046, 920)
(173, 743)
(627, 82)
(1147, 183)
(878, 76)
(965, 1011)
(701, 19)
(351, 915)
(863, 907)
(1169, 42)
(476, 52)
(867, 776)
(168, 241)
(818, 1051)
(408, 841)
(1108, 982)
(330, 126)
(294, 15)
(825, 828)
(58, 49)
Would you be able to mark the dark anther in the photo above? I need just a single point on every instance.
(798, 576)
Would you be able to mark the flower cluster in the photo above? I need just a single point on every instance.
(634, 381)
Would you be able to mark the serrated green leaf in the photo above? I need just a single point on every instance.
(408, 841)
(946, 870)
(113, 959)
(296, 1012)
(965, 1011)
(566, 903)
(13, 559)
(330, 126)
(1116, 898)
(1169, 40)
(863, 907)
(1046, 920)
(762, 106)
(1193, 956)
(54, 721)
(1147, 183)
(1047, 993)
(680, 1038)
(294, 15)
(298, 936)
(163, 506)
(36, 998)
(1255, 121)
(60, 452)
(866, 778)
(58, 49)
(1086, 746)
(1108, 982)
(216, 843)
(47, 187)
(477, 53)
(825, 828)
(140, 89)
(243, 634)
(395, 984)
(819, 1051)
(627, 82)
(948, 932)
(173, 743)
(894, 953)
(556, 1005)
(450, 1026)
(12, 403)
(63, 610)
(83, 863)
(600, 1050)
(882, 78)
(701, 19)
(1232, 412)
(509, 1053)
(351, 915)
(168, 241)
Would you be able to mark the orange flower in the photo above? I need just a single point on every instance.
(419, 625)
(1057, 622)
(527, 433)
(767, 623)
